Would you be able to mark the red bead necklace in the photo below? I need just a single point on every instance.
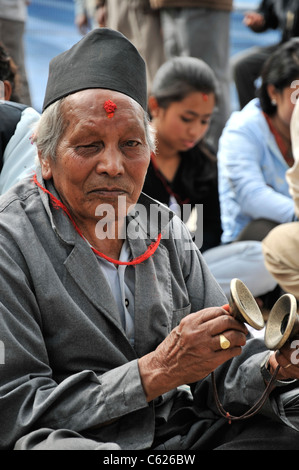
(139, 259)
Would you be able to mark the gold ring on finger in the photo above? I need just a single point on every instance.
(224, 342)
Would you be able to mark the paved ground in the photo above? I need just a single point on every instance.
(51, 30)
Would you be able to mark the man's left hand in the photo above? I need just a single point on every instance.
(288, 359)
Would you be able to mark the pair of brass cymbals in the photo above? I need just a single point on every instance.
(283, 321)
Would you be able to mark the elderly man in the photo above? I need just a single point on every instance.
(107, 308)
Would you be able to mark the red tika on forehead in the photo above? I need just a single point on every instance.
(205, 97)
(109, 107)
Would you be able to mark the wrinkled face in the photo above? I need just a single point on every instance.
(184, 123)
(99, 158)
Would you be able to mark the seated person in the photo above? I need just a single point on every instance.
(9, 77)
(183, 170)
(281, 244)
(85, 15)
(280, 15)
(255, 153)
(101, 332)
(17, 121)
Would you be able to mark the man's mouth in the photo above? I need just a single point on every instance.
(107, 191)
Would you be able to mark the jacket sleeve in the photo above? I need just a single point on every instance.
(30, 398)
(20, 154)
(239, 161)
(33, 394)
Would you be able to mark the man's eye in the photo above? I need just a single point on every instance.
(87, 148)
(131, 143)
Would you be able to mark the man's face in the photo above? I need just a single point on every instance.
(99, 158)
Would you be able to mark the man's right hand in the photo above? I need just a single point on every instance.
(191, 351)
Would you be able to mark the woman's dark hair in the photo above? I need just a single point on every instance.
(280, 70)
(9, 72)
(180, 76)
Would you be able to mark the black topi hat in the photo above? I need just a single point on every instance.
(103, 58)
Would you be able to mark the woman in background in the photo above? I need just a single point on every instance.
(184, 170)
(255, 153)
(17, 121)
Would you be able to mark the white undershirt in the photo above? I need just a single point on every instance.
(121, 279)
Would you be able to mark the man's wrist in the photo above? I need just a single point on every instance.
(153, 377)
(267, 371)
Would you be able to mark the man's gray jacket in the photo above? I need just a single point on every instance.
(67, 363)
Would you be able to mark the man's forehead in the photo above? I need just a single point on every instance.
(102, 99)
(99, 111)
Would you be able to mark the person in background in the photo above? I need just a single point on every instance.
(247, 65)
(183, 170)
(200, 28)
(136, 317)
(9, 76)
(13, 17)
(17, 121)
(255, 152)
(85, 15)
(140, 24)
(281, 244)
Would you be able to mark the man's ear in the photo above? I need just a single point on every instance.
(45, 166)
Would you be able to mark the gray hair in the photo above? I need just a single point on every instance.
(52, 126)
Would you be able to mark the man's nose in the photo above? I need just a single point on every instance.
(110, 162)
